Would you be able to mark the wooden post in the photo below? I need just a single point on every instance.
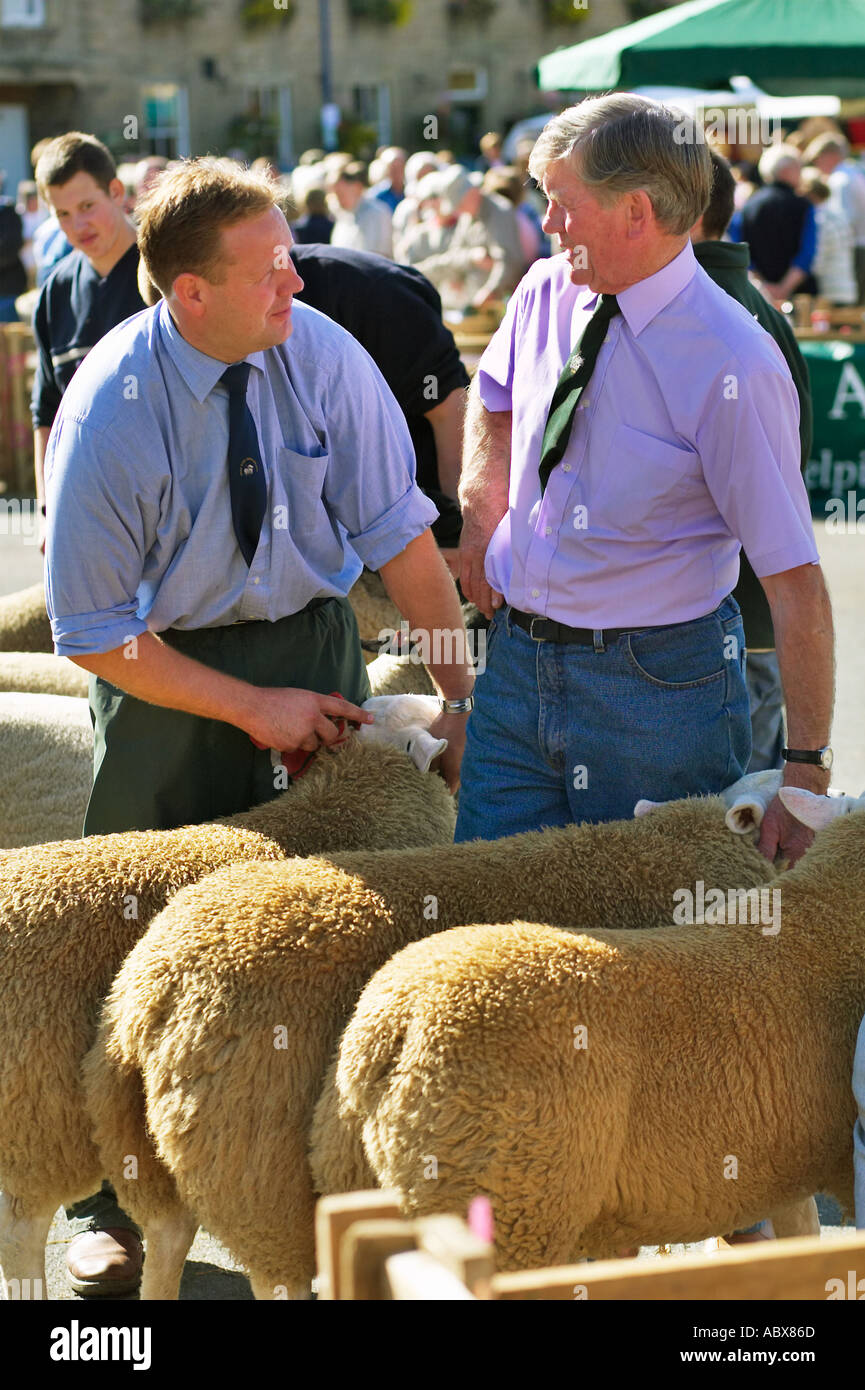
(449, 1240)
(364, 1250)
(333, 1216)
(417, 1277)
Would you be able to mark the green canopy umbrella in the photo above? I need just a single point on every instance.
(789, 47)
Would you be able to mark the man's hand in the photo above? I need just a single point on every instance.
(453, 728)
(288, 719)
(781, 835)
(476, 535)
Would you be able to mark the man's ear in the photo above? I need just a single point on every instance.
(116, 191)
(640, 213)
(188, 291)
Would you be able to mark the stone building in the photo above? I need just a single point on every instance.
(188, 76)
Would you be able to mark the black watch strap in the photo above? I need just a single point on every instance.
(804, 755)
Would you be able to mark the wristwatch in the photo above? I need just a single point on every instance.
(822, 757)
(463, 706)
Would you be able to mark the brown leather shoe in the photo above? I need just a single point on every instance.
(106, 1263)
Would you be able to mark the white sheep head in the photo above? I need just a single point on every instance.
(819, 811)
(746, 800)
(403, 722)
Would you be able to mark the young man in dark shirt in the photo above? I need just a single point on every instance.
(727, 264)
(396, 314)
(92, 289)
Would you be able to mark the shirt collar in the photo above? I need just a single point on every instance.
(642, 302)
(200, 372)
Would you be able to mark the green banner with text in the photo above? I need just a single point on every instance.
(835, 473)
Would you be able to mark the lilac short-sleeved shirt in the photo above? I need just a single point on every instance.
(685, 446)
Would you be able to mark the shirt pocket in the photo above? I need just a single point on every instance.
(645, 479)
(298, 488)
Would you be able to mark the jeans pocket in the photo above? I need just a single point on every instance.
(682, 657)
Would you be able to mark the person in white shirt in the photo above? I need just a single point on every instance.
(830, 153)
(833, 267)
(361, 221)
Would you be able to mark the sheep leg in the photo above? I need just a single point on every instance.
(168, 1242)
(797, 1219)
(22, 1249)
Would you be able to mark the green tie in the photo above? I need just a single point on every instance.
(575, 376)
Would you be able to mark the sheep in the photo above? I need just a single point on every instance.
(46, 767)
(374, 611)
(71, 911)
(398, 675)
(604, 1091)
(41, 673)
(24, 625)
(47, 771)
(221, 1022)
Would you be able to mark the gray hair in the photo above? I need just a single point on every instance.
(776, 158)
(621, 143)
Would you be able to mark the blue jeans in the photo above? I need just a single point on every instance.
(859, 1128)
(562, 732)
(767, 711)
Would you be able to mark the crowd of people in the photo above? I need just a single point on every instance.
(598, 476)
(803, 216)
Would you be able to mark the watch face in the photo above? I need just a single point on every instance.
(826, 759)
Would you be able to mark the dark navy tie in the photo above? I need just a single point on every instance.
(246, 479)
(571, 385)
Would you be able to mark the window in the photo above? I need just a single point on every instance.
(269, 122)
(371, 106)
(22, 14)
(166, 120)
(468, 83)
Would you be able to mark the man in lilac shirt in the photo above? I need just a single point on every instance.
(684, 446)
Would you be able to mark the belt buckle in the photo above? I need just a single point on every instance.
(536, 618)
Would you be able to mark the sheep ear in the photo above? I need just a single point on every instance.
(643, 807)
(812, 810)
(745, 815)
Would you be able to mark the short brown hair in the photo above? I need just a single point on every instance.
(722, 204)
(182, 216)
(74, 153)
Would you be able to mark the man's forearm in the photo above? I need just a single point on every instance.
(154, 672)
(486, 469)
(420, 584)
(804, 638)
(447, 420)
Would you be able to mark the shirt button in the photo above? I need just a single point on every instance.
(566, 468)
(536, 593)
(584, 404)
(256, 581)
(548, 530)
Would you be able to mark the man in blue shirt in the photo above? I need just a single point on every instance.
(202, 535)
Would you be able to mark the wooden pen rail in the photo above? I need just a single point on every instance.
(367, 1251)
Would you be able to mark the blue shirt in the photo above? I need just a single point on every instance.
(140, 535)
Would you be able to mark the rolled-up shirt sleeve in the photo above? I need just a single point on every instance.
(374, 496)
(96, 541)
(751, 455)
(496, 368)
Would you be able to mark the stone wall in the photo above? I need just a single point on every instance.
(90, 62)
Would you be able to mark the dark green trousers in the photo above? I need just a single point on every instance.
(157, 768)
